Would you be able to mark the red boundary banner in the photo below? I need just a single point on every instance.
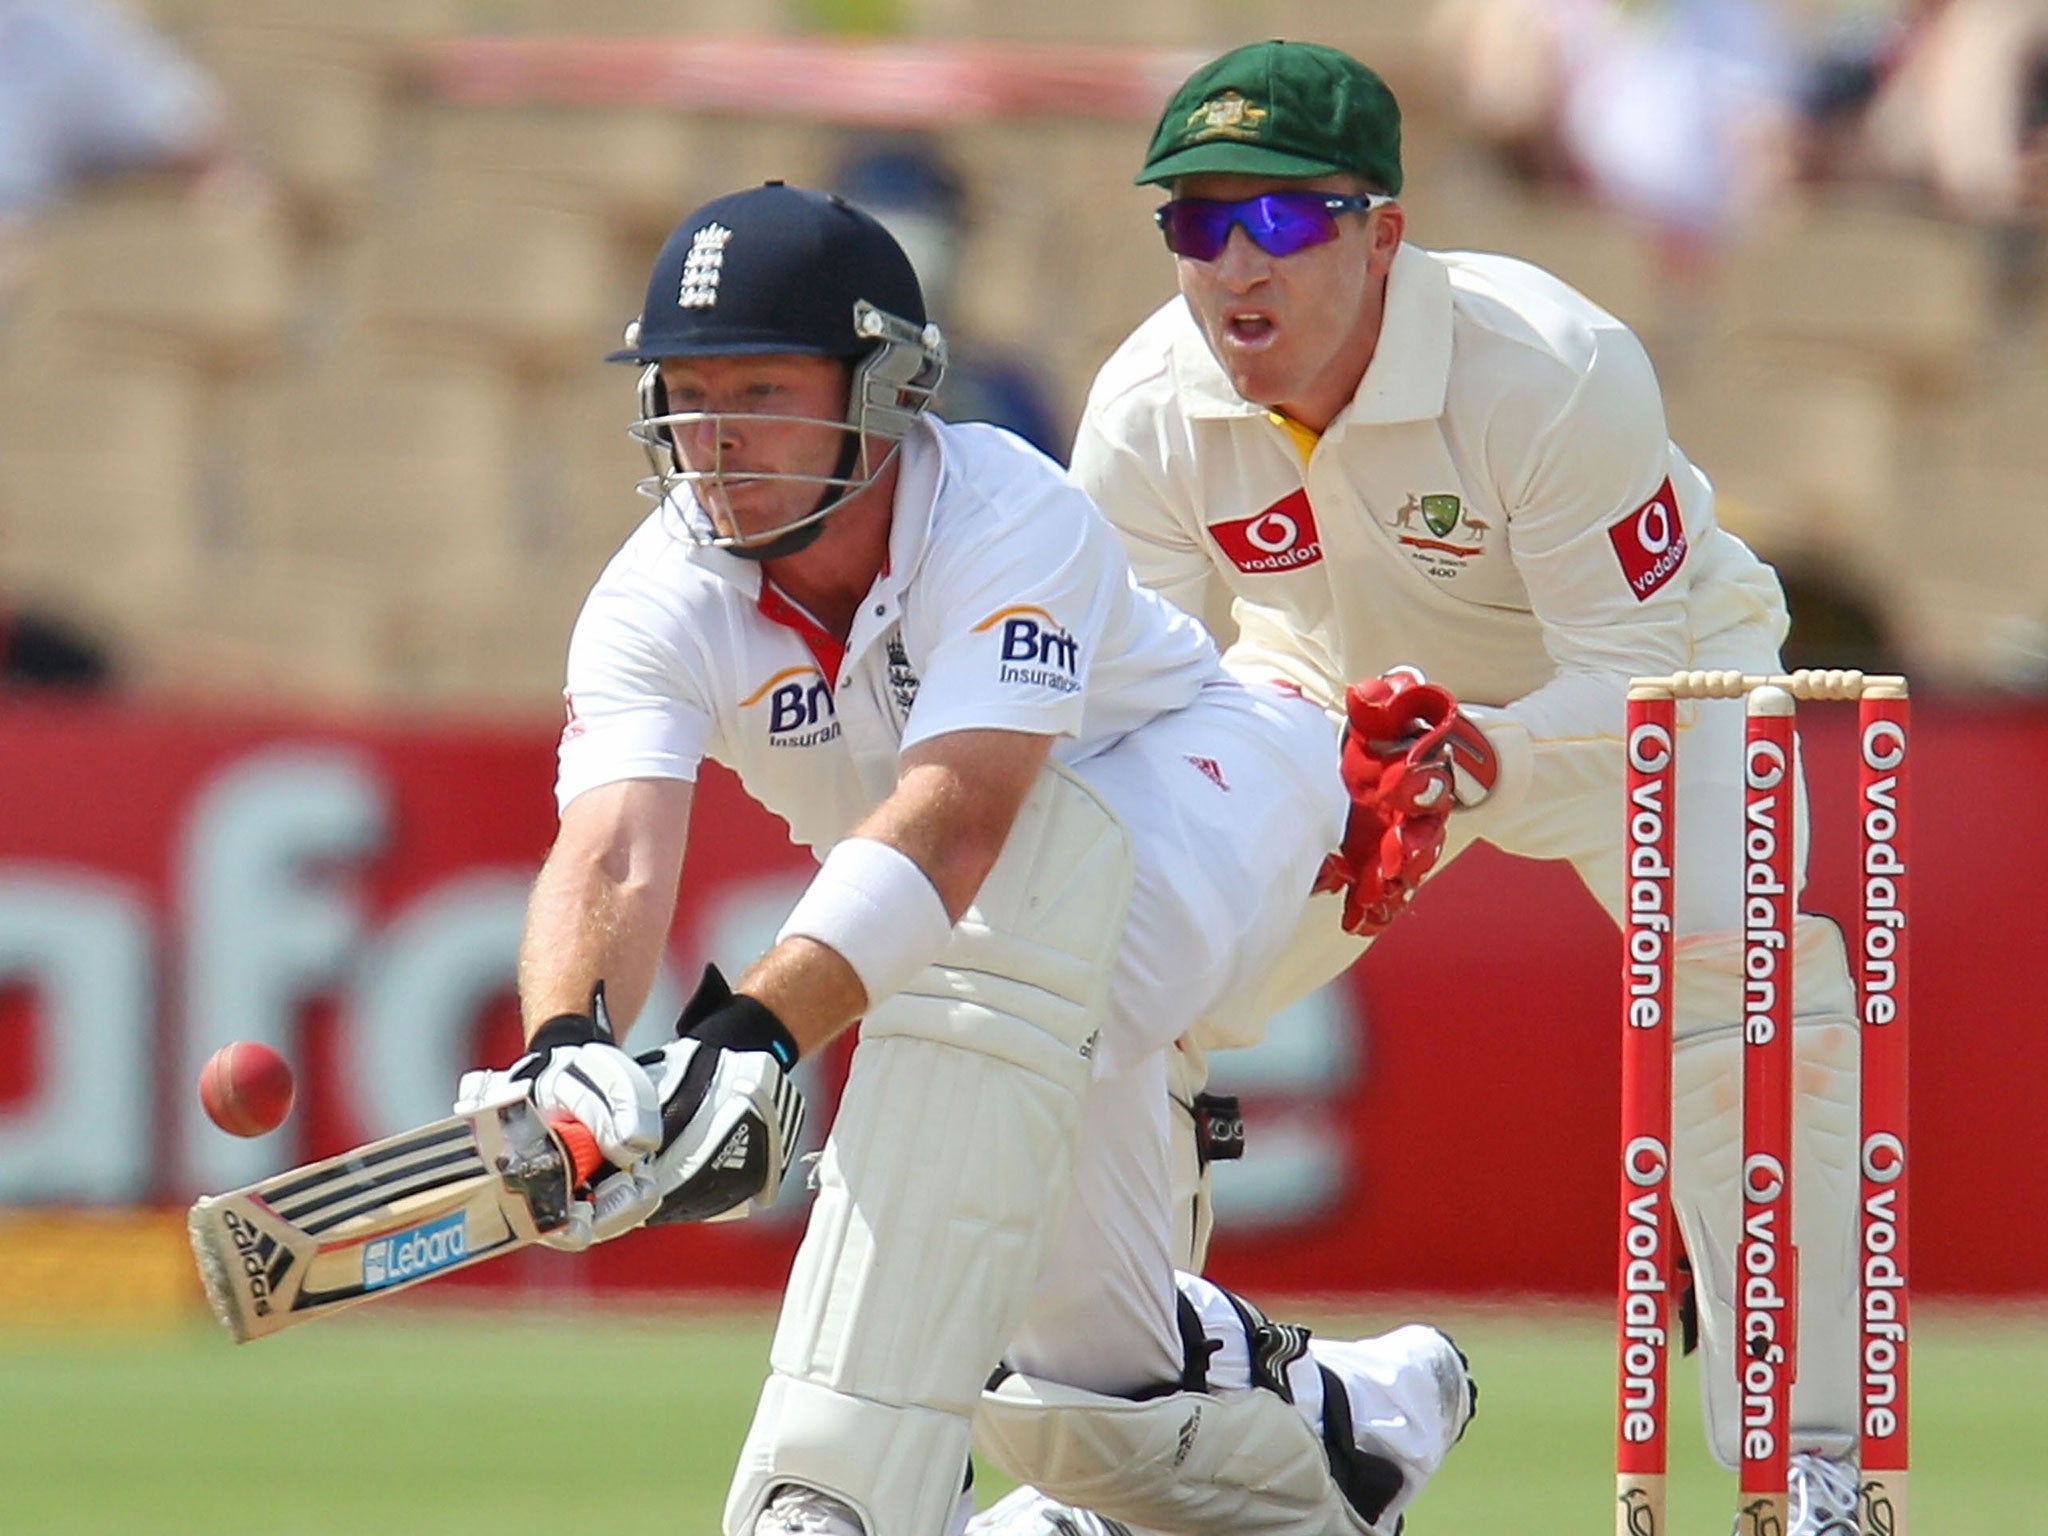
(1474, 1141)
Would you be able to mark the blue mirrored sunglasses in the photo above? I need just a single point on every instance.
(1280, 223)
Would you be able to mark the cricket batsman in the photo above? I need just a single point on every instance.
(1350, 453)
(1054, 834)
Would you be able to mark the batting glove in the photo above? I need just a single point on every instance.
(730, 1115)
(572, 1067)
(577, 1070)
(586, 1076)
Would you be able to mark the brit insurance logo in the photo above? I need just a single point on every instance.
(1650, 543)
(1281, 538)
(1036, 649)
(798, 701)
(415, 1253)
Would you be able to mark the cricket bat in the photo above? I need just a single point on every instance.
(361, 1225)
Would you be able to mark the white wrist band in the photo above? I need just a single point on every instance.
(873, 905)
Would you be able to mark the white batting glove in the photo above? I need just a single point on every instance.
(572, 1067)
(488, 1088)
(616, 1206)
(735, 1118)
(731, 1118)
(602, 1086)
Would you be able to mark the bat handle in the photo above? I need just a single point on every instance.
(581, 1146)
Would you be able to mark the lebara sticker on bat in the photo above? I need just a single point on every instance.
(416, 1253)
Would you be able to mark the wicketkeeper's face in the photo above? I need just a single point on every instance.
(1296, 331)
(766, 434)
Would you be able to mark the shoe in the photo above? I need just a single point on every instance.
(799, 1511)
(1820, 1496)
(1414, 1377)
(1027, 1512)
(1460, 1386)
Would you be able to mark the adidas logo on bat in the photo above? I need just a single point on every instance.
(263, 1260)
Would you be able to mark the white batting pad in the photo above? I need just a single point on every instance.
(1234, 1463)
(942, 1183)
(1707, 978)
(1707, 1147)
(1194, 1205)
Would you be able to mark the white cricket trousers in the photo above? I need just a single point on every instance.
(1231, 805)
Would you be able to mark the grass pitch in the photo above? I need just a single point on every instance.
(437, 1423)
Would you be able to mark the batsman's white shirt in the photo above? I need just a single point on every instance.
(1500, 504)
(1007, 603)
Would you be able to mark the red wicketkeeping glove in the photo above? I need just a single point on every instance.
(1409, 757)
(1415, 725)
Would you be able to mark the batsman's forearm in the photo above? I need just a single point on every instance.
(584, 926)
(809, 988)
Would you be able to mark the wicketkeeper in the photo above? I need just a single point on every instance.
(1054, 833)
(1351, 453)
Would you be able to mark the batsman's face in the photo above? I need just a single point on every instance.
(1294, 333)
(764, 430)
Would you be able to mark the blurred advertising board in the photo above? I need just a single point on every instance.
(351, 891)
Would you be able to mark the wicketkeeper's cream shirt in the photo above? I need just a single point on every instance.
(1500, 505)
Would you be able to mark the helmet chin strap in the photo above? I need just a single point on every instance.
(804, 535)
(782, 544)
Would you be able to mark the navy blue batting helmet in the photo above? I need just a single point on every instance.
(775, 270)
(772, 269)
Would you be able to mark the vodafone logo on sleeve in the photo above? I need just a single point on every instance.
(1650, 543)
(1281, 538)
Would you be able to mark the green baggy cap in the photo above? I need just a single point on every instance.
(1280, 109)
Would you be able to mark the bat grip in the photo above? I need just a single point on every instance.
(581, 1146)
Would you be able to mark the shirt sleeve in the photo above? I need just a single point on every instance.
(1015, 610)
(1597, 501)
(635, 709)
(1168, 556)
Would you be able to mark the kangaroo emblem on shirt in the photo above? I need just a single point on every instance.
(1439, 532)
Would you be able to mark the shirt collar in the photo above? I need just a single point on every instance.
(683, 509)
(1407, 380)
(922, 467)
(923, 464)
(1409, 376)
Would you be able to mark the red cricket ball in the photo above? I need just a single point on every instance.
(246, 1088)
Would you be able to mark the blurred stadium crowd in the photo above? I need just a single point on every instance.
(301, 303)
